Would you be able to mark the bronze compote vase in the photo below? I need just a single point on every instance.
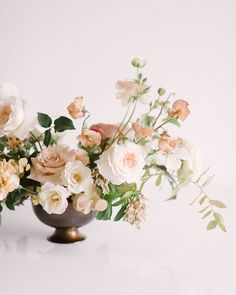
(66, 224)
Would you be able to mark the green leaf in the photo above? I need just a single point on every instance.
(173, 121)
(2, 146)
(125, 187)
(122, 199)
(204, 209)
(1, 208)
(211, 225)
(217, 203)
(206, 214)
(113, 196)
(105, 215)
(63, 123)
(202, 200)
(47, 137)
(158, 181)
(44, 120)
(221, 225)
(208, 181)
(10, 204)
(218, 217)
(147, 120)
(120, 213)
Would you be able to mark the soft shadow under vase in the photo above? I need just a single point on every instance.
(67, 224)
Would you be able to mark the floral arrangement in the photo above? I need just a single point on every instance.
(106, 172)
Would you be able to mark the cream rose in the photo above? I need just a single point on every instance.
(89, 138)
(50, 163)
(9, 180)
(53, 198)
(122, 163)
(77, 177)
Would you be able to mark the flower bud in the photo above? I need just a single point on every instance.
(161, 91)
(138, 62)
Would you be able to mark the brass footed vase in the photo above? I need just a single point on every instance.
(66, 224)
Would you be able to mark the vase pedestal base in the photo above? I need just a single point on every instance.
(66, 235)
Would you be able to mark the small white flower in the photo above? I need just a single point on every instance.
(139, 62)
(53, 198)
(77, 177)
(122, 163)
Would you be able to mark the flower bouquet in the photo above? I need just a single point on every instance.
(104, 175)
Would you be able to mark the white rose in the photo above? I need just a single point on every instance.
(9, 181)
(122, 163)
(53, 198)
(12, 113)
(77, 177)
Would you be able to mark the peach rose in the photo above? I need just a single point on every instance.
(76, 108)
(141, 132)
(106, 130)
(90, 138)
(50, 163)
(166, 144)
(82, 156)
(180, 109)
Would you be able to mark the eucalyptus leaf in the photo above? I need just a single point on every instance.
(217, 203)
(211, 225)
(206, 214)
(221, 225)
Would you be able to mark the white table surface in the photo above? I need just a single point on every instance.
(171, 255)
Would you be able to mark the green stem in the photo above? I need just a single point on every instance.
(158, 116)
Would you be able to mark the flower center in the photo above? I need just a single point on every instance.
(76, 177)
(4, 114)
(3, 181)
(129, 160)
(55, 198)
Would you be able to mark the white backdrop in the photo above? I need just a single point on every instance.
(54, 50)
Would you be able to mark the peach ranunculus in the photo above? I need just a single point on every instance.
(90, 138)
(166, 144)
(76, 108)
(180, 109)
(127, 89)
(82, 156)
(106, 130)
(142, 132)
(50, 163)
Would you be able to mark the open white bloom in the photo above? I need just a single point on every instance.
(122, 163)
(53, 198)
(12, 115)
(9, 180)
(77, 177)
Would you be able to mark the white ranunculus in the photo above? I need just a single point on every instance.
(53, 198)
(122, 163)
(77, 177)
